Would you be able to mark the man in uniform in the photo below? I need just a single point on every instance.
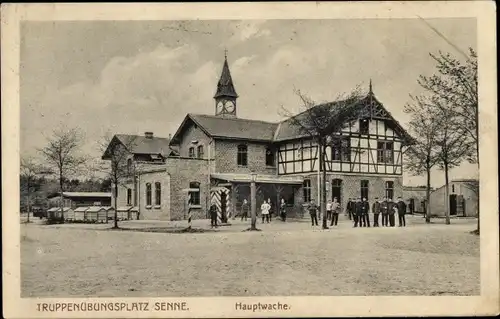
(365, 209)
(401, 212)
(384, 209)
(244, 210)
(313, 211)
(357, 212)
(376, 212)
(390, 208)
(213, 215)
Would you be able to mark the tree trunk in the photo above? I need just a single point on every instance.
(428, 196)
(323, 186)
(29, 201)
(116, 208)
(447, 193)
(61, 189)
(478, 201)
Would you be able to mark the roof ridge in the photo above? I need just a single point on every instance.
(232, 118)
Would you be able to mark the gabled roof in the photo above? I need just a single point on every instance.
(225, 86)
(287, 130)
(139, 144)
(229, 128)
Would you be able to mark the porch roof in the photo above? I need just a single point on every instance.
(261, 178)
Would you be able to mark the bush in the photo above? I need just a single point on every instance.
(54, 220)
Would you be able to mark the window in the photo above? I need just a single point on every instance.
(242, 155)
(157, 193)
(307, 190)
(364, 126)
(364, 189)
(337, 189)
(269, 157)
(341, 149)
(191, 152)
(389, 189)
(200, 151)
(385, 152)
(148, 194)
(129, 196)
(129, 166)
(194, 193)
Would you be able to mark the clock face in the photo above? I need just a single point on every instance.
(220, 106)
(230, 106)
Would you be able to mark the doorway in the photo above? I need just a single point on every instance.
(337, 190)
(453, 204)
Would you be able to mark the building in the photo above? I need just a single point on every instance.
(213, 158)
(463, 198)
(416, 198)
(79, 199)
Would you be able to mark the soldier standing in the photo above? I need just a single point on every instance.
(365, 206)
(244, 210)
(384, 208)
(350, 208)
(213, 215)
(313, 211)
(357, 212)
(335, 212)
(401, 212)
(391, 209)
(283, 210)
(376, 212)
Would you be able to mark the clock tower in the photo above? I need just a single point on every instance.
(225, 97)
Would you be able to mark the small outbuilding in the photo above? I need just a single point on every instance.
(127, 213)
(81, 213)
(55, 212)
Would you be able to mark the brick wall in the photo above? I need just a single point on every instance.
(193, 133)
(183, 171)
(226, 153)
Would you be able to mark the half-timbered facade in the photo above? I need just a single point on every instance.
(220, 153)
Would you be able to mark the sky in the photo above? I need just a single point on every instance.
(129, 77)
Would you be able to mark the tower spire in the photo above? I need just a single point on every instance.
(225, 86)
(370, 88)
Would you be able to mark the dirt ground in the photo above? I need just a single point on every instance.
(283, 259)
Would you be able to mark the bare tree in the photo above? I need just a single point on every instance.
(62, 154)
(29, 172)
(452, 148)
(423, 126)
(457, 85)
(119, 167)
(323, 123)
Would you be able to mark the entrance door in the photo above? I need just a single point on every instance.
(412, 205)
(453, 204)
(223, 205)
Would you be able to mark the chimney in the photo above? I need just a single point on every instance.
(148, 134)
(169, 136)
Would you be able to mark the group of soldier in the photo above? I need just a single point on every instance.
(359, 209)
